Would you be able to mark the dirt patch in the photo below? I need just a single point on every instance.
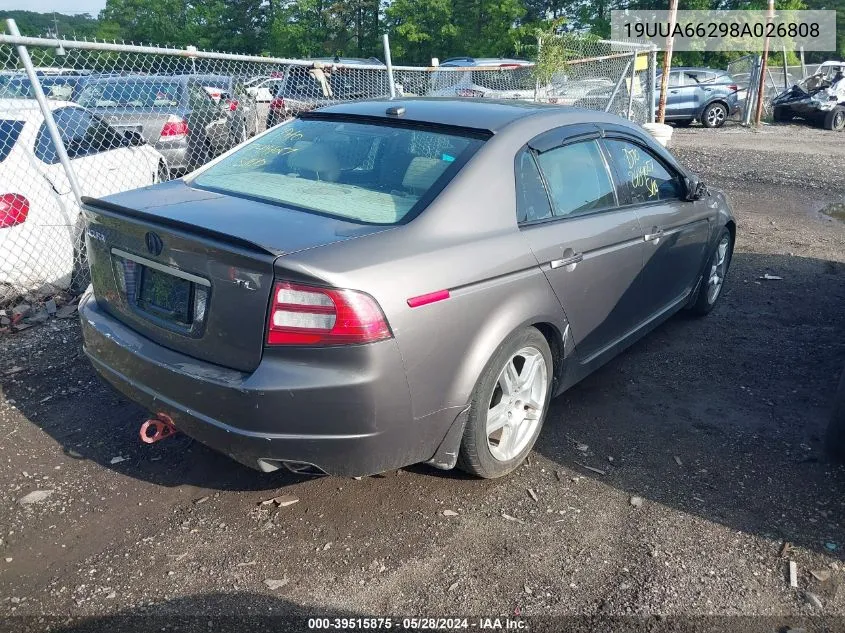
(716, 424)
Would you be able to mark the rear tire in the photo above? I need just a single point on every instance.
(508, 406)
(713, 281)
(835, 119)
(714, 115)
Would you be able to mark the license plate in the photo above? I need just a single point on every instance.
(166, 296)
(126, 128)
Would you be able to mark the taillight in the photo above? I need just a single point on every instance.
(307, 315)
(277, 104)
(13, 209)
(233, 105)
(174, 129)
(733, 87)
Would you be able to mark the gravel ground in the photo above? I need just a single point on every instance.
(703, 475)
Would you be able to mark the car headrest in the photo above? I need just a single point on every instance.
(422, 172)
(315, 159)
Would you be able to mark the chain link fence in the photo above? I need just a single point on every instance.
(116, 117)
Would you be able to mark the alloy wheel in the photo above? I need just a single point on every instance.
(718, 269)
(716, 116)
(517, 404)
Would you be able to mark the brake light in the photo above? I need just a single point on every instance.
(233, 105)
(733, 87)
(174, 129)
(307, 315)
(277, 104)
(13, 209)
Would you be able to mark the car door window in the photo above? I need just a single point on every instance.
(675, 79)
(198, 98)
(647, 178)
(577, 178)
(532, 202)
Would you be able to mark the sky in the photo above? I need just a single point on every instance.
(60, 6)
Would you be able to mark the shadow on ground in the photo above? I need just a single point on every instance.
(721, 417)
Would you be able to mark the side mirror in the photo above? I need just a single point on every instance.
(695, 189)
(134, 138)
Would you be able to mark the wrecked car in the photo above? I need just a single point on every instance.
(818, 99)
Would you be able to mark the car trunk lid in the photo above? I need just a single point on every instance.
(193, 270)
(147, 122)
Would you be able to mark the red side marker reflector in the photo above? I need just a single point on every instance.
(431, 297)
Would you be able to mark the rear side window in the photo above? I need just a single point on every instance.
(577, 178)
(9, 132)
(366, 173)
(532, 203)
(136, 94)
(647, 178)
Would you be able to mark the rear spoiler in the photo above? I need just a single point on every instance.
(99, 206)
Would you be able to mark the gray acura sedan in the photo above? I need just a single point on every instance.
(383, 283)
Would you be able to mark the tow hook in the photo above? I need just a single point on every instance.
(158, 428)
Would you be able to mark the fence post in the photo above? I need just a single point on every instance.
(785, 70)
(652, 82)
(616, 87)
(631, 89)
(751, 93)
(389, 62)
(47, 111)
(803, 65)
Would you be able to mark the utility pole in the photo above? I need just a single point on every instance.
(667, 61)
(761, 91)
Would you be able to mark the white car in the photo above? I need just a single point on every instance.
(40, 221)
(264, 89)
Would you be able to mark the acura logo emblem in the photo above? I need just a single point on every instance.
(154, 243)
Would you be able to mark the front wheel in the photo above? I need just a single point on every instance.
(508, 407)
(710, 288)
(714, 115)
(835, 119)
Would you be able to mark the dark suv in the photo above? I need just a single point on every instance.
(704, 94)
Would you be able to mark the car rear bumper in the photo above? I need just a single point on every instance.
(177, 156)
(344, 410)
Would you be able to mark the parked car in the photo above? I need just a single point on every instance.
(235, 102)
(59, 87)
(305, 88)
(263, 89)
(492, 78)
(40, 221)
(173, 113)
(819, 99)
(387, 282)
(707, 95)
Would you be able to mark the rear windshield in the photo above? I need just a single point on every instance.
(139, 94)
(366, 173)
(9, 132)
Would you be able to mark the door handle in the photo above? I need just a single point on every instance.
(651, 237)
(674, 92)
(567, 261)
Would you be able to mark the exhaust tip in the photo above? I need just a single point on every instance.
(298, 468)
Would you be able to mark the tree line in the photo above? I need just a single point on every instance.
(419, 29)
